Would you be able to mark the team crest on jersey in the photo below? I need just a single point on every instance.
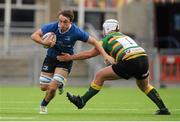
(67, 38)
(45, 68)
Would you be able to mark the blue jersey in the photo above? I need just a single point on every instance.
(64, 41)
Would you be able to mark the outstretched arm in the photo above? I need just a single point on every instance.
(98, 49)
(79, 56)
(107, 59)
(88, 54)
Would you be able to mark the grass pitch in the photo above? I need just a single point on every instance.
(111, 104)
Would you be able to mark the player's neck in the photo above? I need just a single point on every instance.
(64, 31)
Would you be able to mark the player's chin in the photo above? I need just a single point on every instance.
(64, 29)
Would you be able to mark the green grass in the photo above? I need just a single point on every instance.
(120, 104)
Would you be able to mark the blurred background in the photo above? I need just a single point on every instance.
(154, 24)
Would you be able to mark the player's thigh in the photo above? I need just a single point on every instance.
(59, 77)
(45, 79)
(61, 71)
(106, 73)
(47, 74)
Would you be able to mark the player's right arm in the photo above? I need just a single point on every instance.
(79, 56)
(37, 37)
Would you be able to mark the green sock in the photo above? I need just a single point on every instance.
(154, 96)
(89, 94)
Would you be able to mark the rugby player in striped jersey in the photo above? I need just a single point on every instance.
(131, 60)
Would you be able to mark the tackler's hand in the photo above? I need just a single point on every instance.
(108, 60)
(64, 57)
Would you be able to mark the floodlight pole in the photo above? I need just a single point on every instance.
(81, 14)
(7, 22)
(81, 20)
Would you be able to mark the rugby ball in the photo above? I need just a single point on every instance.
(48, 35)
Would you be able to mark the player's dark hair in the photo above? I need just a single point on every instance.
(67, 13)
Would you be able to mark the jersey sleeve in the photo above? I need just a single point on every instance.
(82, 35)
(48, 27)
(104, 42)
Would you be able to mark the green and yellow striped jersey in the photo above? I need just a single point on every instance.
(121, 47)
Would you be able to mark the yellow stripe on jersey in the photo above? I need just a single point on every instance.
(94, 86)
(135, 56)
(119, 52)
(113, 39)
(132, 53)
(114, 46)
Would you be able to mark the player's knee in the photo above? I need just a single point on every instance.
(43, 87)
(99, 76)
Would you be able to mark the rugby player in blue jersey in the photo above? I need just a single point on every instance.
(54, 72)
(131, 61)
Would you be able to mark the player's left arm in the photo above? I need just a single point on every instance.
(108, 59)
(37, 37)
(78, 56)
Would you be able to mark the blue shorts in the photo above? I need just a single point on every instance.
(50, 64)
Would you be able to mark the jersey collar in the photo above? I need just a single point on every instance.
(65, 31)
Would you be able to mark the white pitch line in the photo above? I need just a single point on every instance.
(17, 102)
(100, 103)
(90, 121)
(17, 118)
(87, 109)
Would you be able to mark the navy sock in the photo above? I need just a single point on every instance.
(44, 103)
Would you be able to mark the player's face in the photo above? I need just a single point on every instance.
(64, 23)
